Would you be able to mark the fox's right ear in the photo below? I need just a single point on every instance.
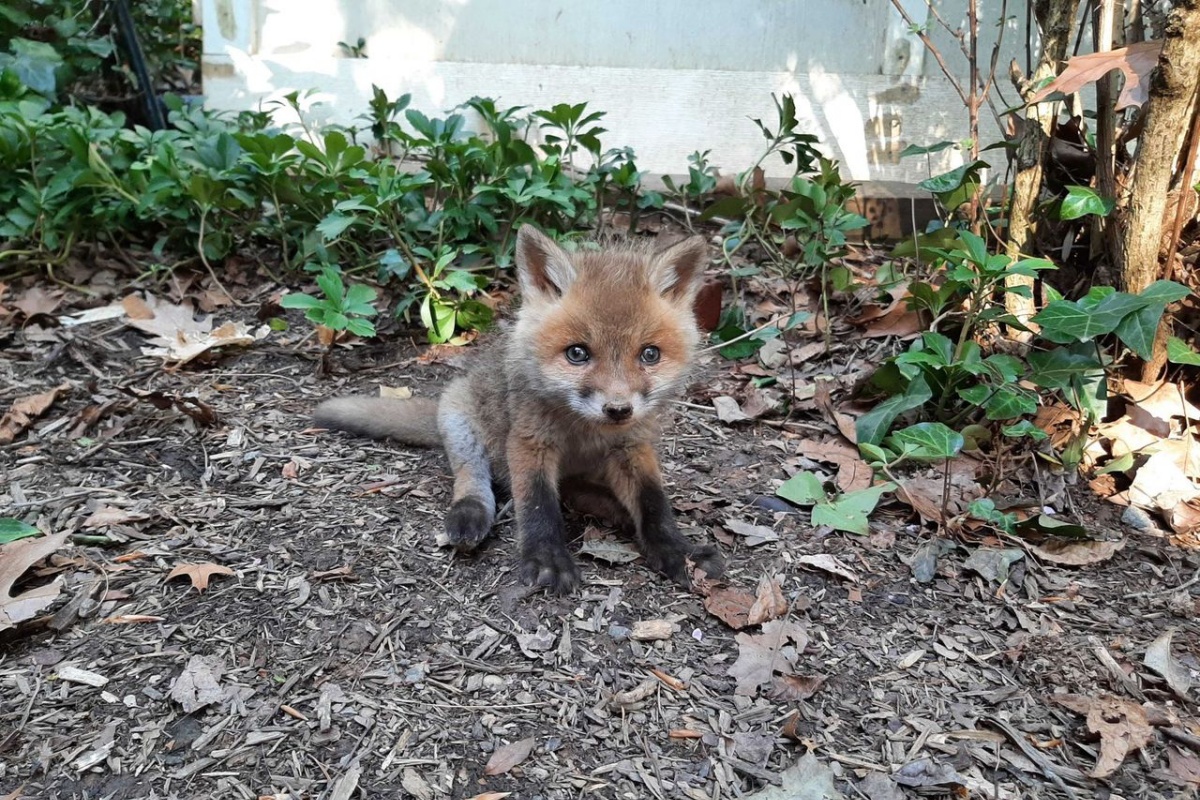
(544, 268)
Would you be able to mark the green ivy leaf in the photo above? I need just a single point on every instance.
(803, 489)
(1057, 368)
(874, 425)
(1082, 201)
(927, 441)
(1064, 322)
(850, 511)
(1025, 428)
(1180, 352)
(949, 181)
(1137, 330)
(13, 529)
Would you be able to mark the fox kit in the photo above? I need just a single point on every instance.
(567, 406)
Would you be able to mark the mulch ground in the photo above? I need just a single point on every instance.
(347, 655)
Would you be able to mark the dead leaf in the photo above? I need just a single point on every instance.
(853, 473)
(760, 656)
(178, 335)
(1161, 400)
(731, 606)
(1073, 553)
(25, 410)
(199, 684)
(807, 779)
(201, 412)
(109, 515)
(1121, 725)
(38, 302)
(769, 604)
(829, 563)
(1135, 61)
(491, 796)
(728, 410)
(1160, 659)
(609, 550)
(396, 392)
(15, 558)
(899, 321)
(788, 688)
(508, 756)
(754, 534)
(199, 573)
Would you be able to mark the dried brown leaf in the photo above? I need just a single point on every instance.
(761, 656)
(1135, 61)
(25, 410)
(769, 604)
(199, 574)
(109, 515)
(15, 558)
(1074, 553)
(787, 688)
(731, 606)
(38, 301)
(508, 756)
(1122, 726)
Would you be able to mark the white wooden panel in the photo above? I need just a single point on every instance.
(673, 76)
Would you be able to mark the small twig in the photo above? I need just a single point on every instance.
(1170, 590)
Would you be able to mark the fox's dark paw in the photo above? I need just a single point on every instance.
(670, 557)
(551, 567)
(467, 523)
(707, 558)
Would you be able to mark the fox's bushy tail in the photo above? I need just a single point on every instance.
(412, 421)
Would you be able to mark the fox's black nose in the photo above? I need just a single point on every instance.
(618, 412)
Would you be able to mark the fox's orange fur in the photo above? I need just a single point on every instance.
(567, 403)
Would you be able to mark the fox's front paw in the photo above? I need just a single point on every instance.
(467, 523)
(670, 557)
(551, 567)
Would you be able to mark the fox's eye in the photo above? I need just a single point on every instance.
(578, 354)
(651, 355)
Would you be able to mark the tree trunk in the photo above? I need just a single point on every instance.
(1055, 19)
(1172, 93)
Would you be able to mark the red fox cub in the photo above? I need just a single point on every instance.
(566, 407)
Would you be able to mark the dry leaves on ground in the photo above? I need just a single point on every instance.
(15, 558)
(761, 656)
(178, 336)
(25, 410)
(199, 574)
(1121, 725)
(508, 756)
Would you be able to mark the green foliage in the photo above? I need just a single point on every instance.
(340, 308)
(214, 183)
(945, 380)
(13, 529)
(847, 512)
(1082, 202)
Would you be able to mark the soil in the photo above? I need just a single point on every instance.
(346, 654)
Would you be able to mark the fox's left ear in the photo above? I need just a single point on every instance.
(676, 271)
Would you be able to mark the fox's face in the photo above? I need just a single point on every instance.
(612, 334)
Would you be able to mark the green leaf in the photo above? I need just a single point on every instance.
(360, 299)
(849, 512)
(1024, 428)
(330, 281)
(727, 208)
(1064, 322)
(333, 225)
(300, 301)
(1044, 524)
(1057, 368)
(336, 320)
(1082, 201)
(13, 529)
(803, 489)
(874, 454)
(1137, 330)
(1164, 292)
(927, 441)
(917, 150)
(949, 181)
(461, 280)
(1180, 352)
(360, 327)
(985, 509)
(1001, 402)
(874, 425)
(1120, 464)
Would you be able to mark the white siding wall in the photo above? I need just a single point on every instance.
(674, 76)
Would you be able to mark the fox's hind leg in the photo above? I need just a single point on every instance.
(637, 482)
(473, 508)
